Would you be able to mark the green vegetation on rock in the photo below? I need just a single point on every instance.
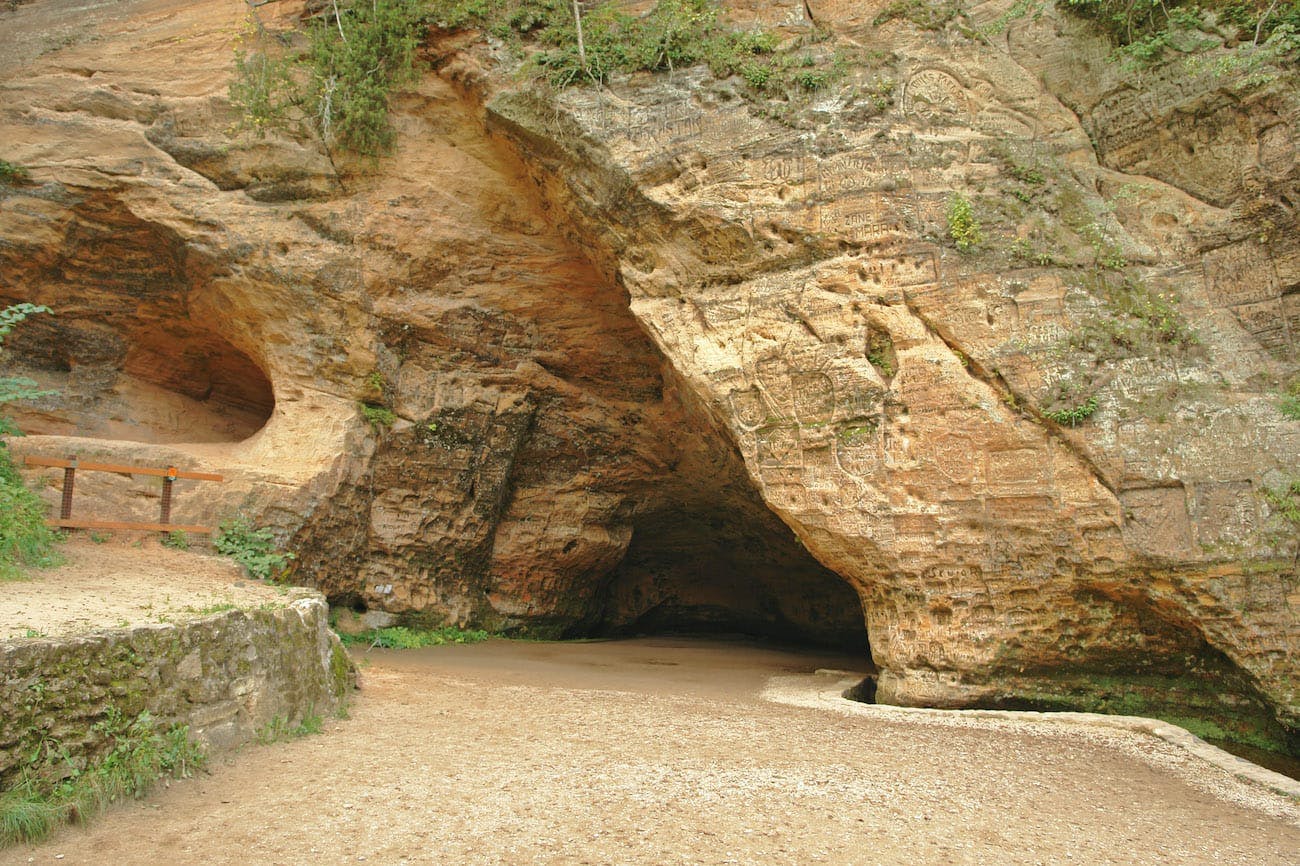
(378, 417)
(278, 729)
(963, 227)
(255, 549)
(11, 173)
(25, 540)
(340, 82)
(53, 790)
(401, 637)
(339, 74)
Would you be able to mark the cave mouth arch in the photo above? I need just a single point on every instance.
(173, 381)
(711, 569)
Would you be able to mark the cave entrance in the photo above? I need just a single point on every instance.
(723, 569)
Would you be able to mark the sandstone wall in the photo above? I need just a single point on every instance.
(226, 676)
(892, 396)
(668, 354)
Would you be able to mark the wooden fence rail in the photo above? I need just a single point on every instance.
(168, 475)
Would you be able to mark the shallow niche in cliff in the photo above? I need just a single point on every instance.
(171, 382)
(723, 568)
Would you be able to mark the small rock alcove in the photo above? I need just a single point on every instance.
(163, 384)
(129, 357)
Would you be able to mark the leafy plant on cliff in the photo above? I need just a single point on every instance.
(1074, 415)
(254, 549)
(356, 53)
(52, 790)
(1145, 31)
(963, 227)
(11, 173)
(378, 417)
(25, 540)
(926, 15)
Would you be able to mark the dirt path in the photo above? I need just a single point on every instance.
(661, 751)
(128, 580)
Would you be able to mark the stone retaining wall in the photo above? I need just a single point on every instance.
(226, 675)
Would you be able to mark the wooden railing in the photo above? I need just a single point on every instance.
(168, 475)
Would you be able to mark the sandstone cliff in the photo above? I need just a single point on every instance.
(661, 354)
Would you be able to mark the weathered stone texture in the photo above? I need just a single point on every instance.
(661, 354)
(226, 676)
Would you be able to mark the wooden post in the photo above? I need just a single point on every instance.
(166, 516)
(69, 480)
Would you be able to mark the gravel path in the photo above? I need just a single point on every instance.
(662, 751)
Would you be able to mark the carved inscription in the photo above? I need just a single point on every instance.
(1276, 150)
(1155, 521)
(935, 96)
(1239, 274)
(1226, 512)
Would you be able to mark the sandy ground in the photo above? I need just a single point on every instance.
(117, 584)
(663, 751)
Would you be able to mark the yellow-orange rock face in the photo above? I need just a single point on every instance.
(663, 355)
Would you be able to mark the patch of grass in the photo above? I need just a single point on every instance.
(1137, 321)
(254, 549)
(216, 607)
(880, 353)
(278, 729)
(52, 791)
(401, 637)
(671, 35)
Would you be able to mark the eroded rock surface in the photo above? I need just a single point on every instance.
(660, 354)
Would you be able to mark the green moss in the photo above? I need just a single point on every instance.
(340, 671)
(1212, 704)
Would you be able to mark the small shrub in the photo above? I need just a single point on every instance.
(25, 540)
(254, 549)
(378, 417)
(1075, 415)
(963, 227)
(176, 540)
(1284, 518)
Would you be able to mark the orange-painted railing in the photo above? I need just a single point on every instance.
(169, 476)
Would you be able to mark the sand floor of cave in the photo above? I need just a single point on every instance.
(662, 751)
